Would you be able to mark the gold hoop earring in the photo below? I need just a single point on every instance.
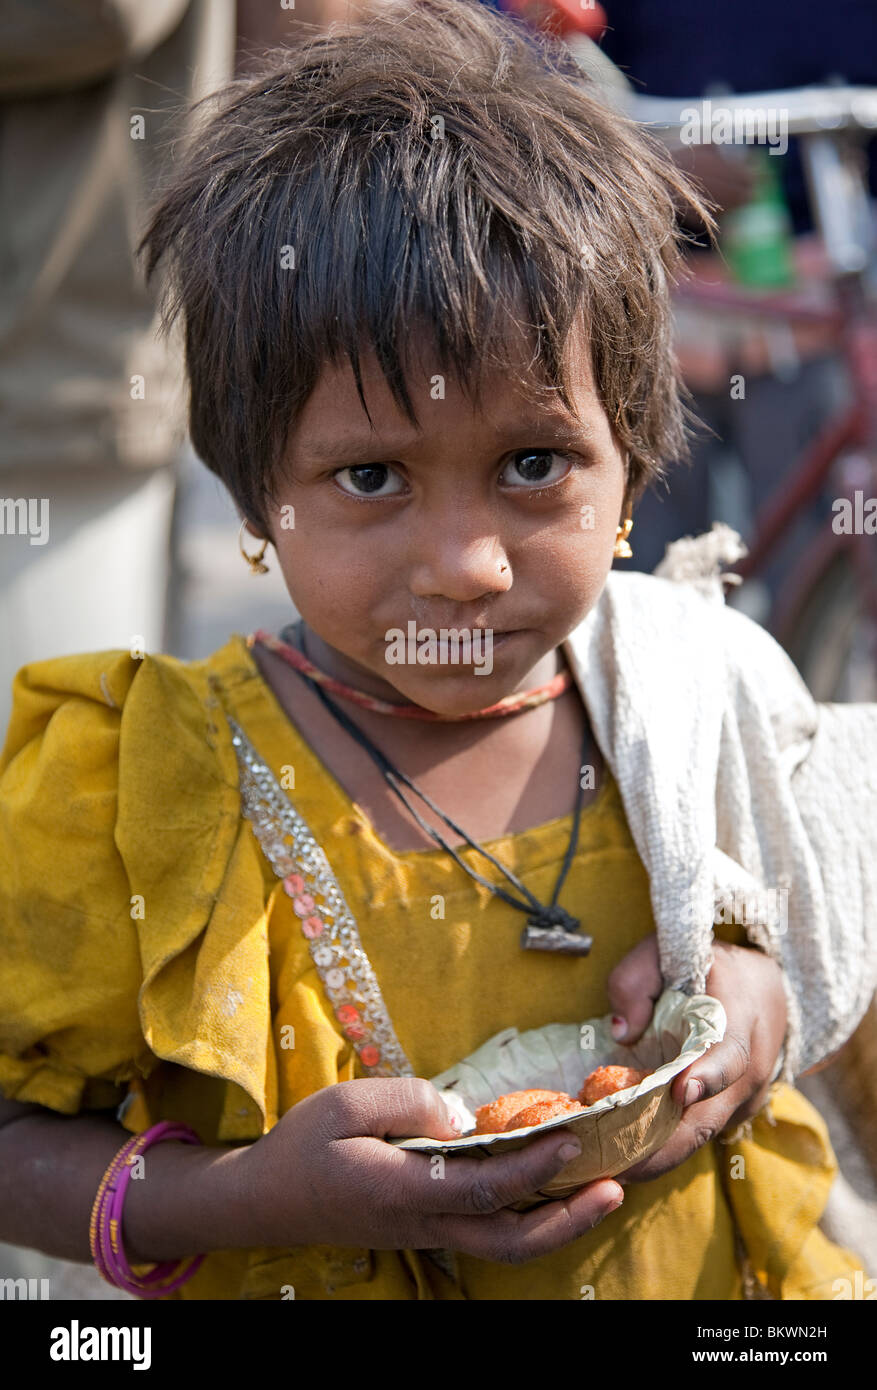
(254, 561)
(622, 550)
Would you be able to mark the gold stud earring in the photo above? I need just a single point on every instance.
(622, 550)
(254, 561)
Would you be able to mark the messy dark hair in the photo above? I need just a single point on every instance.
(431, 164)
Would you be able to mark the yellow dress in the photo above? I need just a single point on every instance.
(150, 955)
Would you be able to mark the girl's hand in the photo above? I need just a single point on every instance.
(734, 1075)
(324, 1175)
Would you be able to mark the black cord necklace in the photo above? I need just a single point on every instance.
(549, 928)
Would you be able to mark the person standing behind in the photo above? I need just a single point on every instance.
(90, 398)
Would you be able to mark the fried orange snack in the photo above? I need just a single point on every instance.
(544, 1110)
(494, 1118)
(605, 1081)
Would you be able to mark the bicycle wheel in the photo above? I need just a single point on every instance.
(834, 642)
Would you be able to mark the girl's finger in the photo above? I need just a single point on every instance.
(633, 986)
(512, 1237)
(750, 1107)
(406, 1107)
(707, 1113)
(478, 1186)
(723, 1066)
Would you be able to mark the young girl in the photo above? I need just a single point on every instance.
(424, 277)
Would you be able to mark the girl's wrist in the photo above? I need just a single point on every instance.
(271, 1217)
(189, 1201)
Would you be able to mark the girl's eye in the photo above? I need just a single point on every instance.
(368, 480)
(536, 468)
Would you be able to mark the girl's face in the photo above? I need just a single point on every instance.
(501, 518)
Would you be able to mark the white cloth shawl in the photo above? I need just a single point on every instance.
(733, 779)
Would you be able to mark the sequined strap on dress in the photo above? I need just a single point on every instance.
(323, 915)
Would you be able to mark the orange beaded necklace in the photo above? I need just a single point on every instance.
(511, 704)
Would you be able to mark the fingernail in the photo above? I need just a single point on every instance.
(569, 1151)
(614, 1204)
(618, 1027)
(693, 1092)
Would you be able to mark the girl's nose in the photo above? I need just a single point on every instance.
(446, 564)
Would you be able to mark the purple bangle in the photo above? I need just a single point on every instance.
(149, 1285)
(102, 1244)
(108, 1248)
(102, 1249)
(153, 1284)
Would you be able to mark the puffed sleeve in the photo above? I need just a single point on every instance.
(70, 963)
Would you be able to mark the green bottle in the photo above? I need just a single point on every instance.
(757, 237)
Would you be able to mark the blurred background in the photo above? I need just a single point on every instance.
(113, 533)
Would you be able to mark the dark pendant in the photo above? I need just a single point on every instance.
(555, 930)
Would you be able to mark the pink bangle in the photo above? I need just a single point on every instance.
(150, 1285)
(107, 1247)
(99, 1224)
(105, 1227)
